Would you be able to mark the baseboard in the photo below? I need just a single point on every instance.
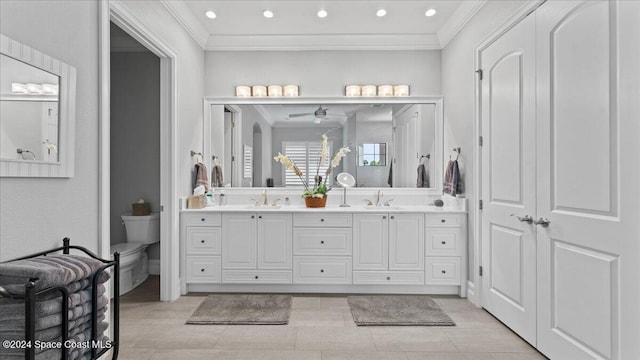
(471, 294)
(154, 266)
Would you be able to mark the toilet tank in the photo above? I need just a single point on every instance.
(142, 229)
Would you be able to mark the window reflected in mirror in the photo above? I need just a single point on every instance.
(372, 155)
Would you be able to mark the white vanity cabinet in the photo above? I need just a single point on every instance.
(322, 249)
(202, 238)
(445, 240)
(256, 248)
(388, 248)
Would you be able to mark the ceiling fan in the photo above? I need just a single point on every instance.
(318, 115)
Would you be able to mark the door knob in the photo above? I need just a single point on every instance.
(544, 222)
(528, 219)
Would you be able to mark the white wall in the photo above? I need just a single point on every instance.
(135, 137)
(322, 73)
(190, 80)
(458, 74)
(36, 213)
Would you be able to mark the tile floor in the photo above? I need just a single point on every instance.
(320, 328)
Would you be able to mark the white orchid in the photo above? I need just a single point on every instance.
(323, 152)
(338, 156)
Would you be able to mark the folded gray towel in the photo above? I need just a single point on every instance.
(45, 322)
(51, 271)
(14, 309)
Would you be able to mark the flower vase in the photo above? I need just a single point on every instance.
(313, 202)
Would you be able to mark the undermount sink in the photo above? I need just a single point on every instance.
(381, 208)
(264, 207)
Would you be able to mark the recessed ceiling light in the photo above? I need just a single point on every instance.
(210, 14)
(322, 14)
(430, 12)
(268, 14)
(381, 12)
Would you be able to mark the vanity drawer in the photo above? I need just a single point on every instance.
(322, 220)
(256, 277)
(203, 240)
(442, 270)
(318, 241)
(203, 219)
(388, 277)
(443, 242)
(321, 270)
(444, 220)
(203, 269)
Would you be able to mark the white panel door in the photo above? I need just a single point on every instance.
(406, 242)
(275, 241)
(508, 179)
(588, 255)
(370, 242)
(239, 241)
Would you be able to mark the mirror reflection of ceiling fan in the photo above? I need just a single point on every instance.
(318, 115)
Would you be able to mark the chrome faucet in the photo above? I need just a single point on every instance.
(265, 202)
(379, 200)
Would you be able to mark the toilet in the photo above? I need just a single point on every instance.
(142, 231)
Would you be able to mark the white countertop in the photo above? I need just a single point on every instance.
(331, 209)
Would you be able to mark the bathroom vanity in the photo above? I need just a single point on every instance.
(359, 249)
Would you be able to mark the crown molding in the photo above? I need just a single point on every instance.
(323, 42)
(187, 20)
(265, 114)
(465, 12)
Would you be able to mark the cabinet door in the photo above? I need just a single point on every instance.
(370, 242)
(239, 241)
(406, 242)
(275, 241)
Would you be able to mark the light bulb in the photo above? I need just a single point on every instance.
(268, 14)
(322, 14)
(210, 14)
(430, 12)
(381, 13)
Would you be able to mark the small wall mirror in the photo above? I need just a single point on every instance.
(37, 109)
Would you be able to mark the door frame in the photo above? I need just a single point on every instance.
(115, 11)
(474, 286)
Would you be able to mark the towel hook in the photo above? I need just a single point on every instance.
(195, 153)
(428, 156)
(457, 151)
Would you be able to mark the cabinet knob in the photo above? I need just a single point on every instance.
(321, 241)
(260, 217)
(443, 220)
(384, 217)
(388, 277)
(253, 217)
(201, 270)
(256, 277)
(321, 270)
(321, 220)
(202, 219)
(393, 217)
(444, 243)
(202, 241)
(444, 271)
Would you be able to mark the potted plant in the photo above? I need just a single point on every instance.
(315, 195)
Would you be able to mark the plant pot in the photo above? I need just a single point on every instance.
(313, 202)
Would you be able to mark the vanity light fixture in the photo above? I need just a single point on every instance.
(369, 90)
(210, 14)
(50, 89)
(291, 90)
(381, 13)
(322, 13)
(385, 90)
(243, 91)
(352, 90)
(18, 88)
(401, 90)
(34, 88)
(275, 90)
(430, 12)
(268, 14)
(259, 90)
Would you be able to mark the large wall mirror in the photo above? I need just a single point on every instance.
(395, 143)
(37, 110)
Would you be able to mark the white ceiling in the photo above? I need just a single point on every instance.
(350, 24)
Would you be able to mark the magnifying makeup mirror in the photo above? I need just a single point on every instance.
(345, 180)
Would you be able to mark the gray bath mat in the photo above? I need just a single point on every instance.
(397, 310)
(239, 309)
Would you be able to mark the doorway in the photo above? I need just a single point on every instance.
(135, 143)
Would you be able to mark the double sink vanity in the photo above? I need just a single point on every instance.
(357, 249)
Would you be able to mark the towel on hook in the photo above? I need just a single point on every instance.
(201, 176)
(216, 176)
(390, 179)
(423, 177)
(452, 181)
